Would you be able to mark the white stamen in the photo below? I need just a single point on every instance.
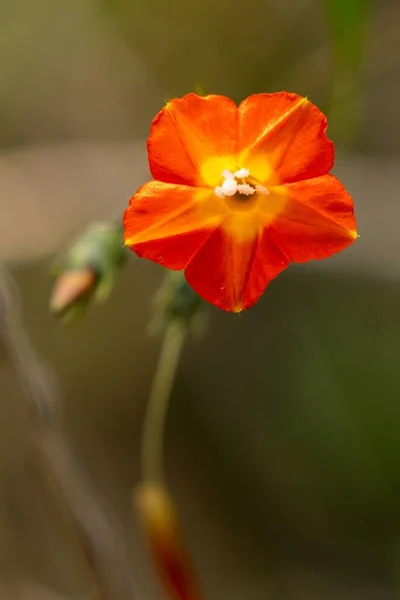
(242, 173)
(235, 183)
(246, 189)
(230, 187)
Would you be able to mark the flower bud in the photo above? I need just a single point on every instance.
(160, 522)
(88, 268)
(71, 288)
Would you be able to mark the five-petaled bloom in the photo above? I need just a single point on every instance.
(238, 193)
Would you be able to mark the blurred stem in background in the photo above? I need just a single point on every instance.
(100, 545)
(348, 22)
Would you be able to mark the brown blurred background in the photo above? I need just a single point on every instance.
(282, 445)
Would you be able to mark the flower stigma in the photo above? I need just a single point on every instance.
(239, 183)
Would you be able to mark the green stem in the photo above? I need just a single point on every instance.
(153, 429)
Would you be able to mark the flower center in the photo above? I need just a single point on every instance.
(240, 184)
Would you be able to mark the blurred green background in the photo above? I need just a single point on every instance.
(282, 446)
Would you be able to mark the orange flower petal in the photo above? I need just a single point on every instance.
(283, 138)
(167, 223)
(233, 275)
(317, 219)
(188, 135)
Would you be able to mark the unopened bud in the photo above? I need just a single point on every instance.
(88, 268)
(71, 288)
(160, 522)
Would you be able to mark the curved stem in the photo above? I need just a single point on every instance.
(160, 392)
(100, 543)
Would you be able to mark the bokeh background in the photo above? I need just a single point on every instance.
(282, 444)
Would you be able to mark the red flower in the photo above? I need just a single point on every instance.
(239, 192)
